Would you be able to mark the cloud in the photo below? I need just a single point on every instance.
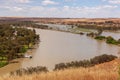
(22, 1)
(20, 8)
(17, 1)
(113, 1)
(69, 0)
(107, 6)
(97, 11)
(16, 9)
(68, 11)
(37, 8)
(65, 11)
(66, 7)
(49, 2)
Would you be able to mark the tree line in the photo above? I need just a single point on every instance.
(85, 63)
(95, 26)
(24, 24)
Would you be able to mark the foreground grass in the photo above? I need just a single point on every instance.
(105, 71)
(70, 74)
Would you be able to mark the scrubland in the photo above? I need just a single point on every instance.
(104, 71)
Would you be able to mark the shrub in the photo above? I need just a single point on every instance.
(100, 37)
(29, 71)
(101, 59)
(111, 40)
(3, 63)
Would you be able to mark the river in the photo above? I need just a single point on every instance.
(56, 47)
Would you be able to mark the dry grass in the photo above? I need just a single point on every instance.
(106, 71)
(91, 19)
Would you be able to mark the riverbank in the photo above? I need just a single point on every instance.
(105, 71)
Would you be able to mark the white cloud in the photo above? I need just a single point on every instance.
(65, 11)
(49, 2)
(23, 1)
(113, 1)
(16, 9)
(13, 9)
(85, 11)
(18, 1)
(37, 8)
(66, 7)
(69, 0)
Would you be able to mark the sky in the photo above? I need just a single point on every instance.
(61, 8)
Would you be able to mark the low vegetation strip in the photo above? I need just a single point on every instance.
(85, 63)
(109, 39)
(100, 37)
(29, 71)
(97, 26)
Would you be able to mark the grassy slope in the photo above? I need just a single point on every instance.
(105, 71)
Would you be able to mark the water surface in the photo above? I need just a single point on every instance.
(56, 47)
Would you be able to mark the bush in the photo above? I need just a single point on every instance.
(23, 49)
(3, 63)
(60, 66)
(29, 71)
(100, 37)
(101, 59)
(111, 40)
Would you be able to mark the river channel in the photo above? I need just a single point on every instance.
(56, 47)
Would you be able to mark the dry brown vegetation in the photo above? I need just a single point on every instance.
(105, 71)
(60, 20)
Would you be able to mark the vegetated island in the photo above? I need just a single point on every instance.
(14, 42)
